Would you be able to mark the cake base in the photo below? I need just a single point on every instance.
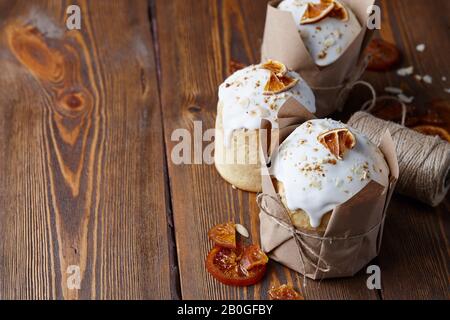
(238, 162)
(300, 218)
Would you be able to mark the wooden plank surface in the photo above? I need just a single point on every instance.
(414, 258)
(195, 53)
(86, 123)
(80, 154)
(197, 40)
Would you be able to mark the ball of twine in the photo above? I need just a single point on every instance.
(424, 161)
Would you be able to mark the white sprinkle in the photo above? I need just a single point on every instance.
(234, 187)
(444, 78)
(405, 71)
(339, 183)
(427, 79)
(263, 112)
(337, 34)
(316, 184)
(393, 90)
(420, 47)
(242, 230)
(405, 99)
(447, 90)
(245, 102)
(418, 77)
(329, 42)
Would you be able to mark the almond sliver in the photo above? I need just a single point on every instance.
(242, 230)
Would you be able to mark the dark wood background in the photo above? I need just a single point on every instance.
(86, 119)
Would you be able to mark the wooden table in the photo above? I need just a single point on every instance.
(86, 119)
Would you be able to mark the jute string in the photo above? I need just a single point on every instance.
(300, 237)
(424, 161)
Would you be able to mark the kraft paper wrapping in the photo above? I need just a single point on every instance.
(353, 235)
(331, 84)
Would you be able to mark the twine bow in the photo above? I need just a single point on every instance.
(298, 236)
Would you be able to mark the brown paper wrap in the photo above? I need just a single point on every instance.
(331, 84)
(353, 235)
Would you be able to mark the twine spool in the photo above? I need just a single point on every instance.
(424, 161)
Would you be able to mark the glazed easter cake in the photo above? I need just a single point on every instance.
(321, 165)
(323, 40)
(249, 95)
(326, 27)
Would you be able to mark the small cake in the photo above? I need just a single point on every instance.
(321, 165)
(249, 95)
(327, 27)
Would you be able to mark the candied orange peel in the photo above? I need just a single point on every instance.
(252, 257)
(279, 81)
(284, 292)
(338, 141)
(326, 8)
(224, 235)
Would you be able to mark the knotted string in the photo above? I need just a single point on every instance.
(369, 105)
(302, 246)
(296, 234)
(348, 85)
(423, 160)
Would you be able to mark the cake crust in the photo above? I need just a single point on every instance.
(245, 143)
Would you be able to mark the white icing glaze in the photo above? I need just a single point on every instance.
(314, 184)
(244, 104)
(328, 35)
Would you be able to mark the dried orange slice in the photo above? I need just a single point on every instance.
(278, 81)
(326, 8)
(276, 67)
(225, 265)
(224, 235)
(284, 292)
(317, 11)
(339, 12)
(433, 131)
(288, 82)
(273, 85)
(383, 55)
(277, 85)
(338, 141)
